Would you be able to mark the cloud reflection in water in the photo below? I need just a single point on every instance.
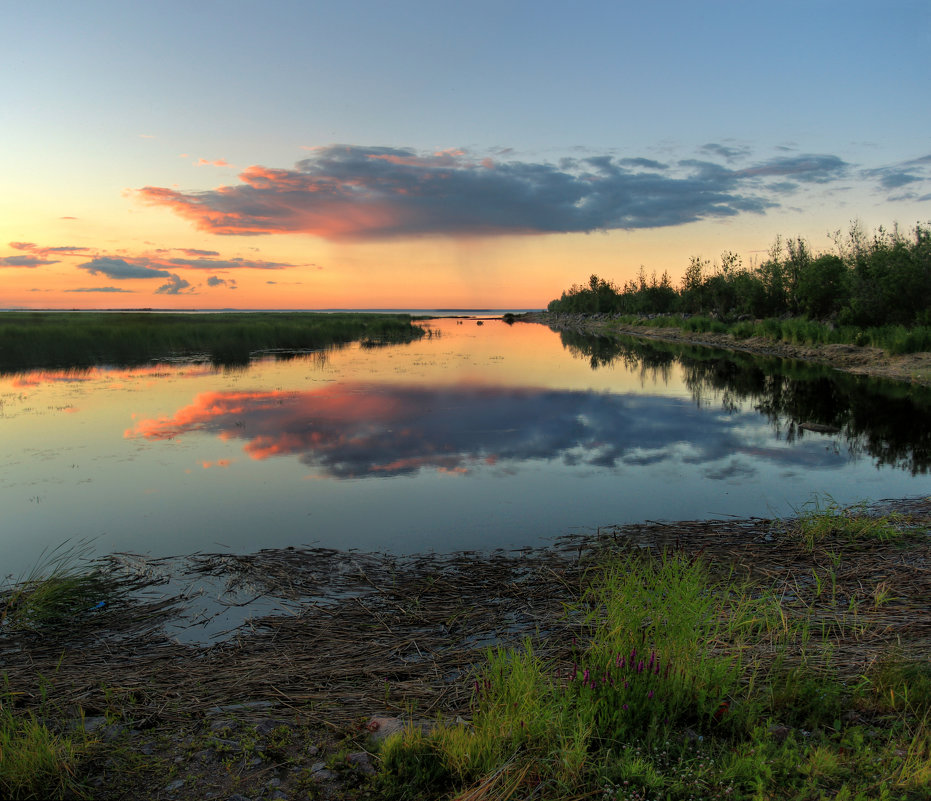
(355, 430)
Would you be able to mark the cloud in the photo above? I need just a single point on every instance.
(370, 193)
(222, 264)
(728, 153)
(195, 252)
(215, 280)
(164, 266)
(895, 176)
(215, 163)
(120, 268)
(176, 286)
(100, 289)
(25, 261)
(350, 430)
(809, 169)
(45, 252)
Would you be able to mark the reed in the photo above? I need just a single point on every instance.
(82, 339)
(681, 686)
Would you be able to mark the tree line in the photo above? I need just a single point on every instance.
(883, 279)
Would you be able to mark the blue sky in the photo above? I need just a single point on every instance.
(699, 127)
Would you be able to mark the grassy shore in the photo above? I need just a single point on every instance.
(82, 339)
(889, 352)
(749, 659)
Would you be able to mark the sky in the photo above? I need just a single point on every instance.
(441, 155)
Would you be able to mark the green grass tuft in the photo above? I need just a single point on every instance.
(682, 686)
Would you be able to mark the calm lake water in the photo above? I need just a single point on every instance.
(482, 436)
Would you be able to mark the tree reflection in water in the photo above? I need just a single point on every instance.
(886, 420)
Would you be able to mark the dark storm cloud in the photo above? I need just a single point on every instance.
(359, 193)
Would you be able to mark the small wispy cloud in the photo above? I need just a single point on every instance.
(215, 280)
(25, 261)
(101, 289)
(176, 286)
(120, 268)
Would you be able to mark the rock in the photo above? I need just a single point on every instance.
(268, 725)
(228, 745)
(112, 732)
(90, 725)
(177, 784)
(381, 728)
(361, 761)
(778, 733)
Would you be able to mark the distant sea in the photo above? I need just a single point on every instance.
(413, 312)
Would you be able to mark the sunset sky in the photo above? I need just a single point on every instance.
(427, 154)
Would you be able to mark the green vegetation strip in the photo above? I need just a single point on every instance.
(81, 339)
(748, 659)
(871, 291)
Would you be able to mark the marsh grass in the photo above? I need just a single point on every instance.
(682, 686)
(896, 339)
(822, 521)
(37, 762)
(62, 589)
(71, 339)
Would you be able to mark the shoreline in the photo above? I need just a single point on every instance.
(292, 700)
(912, 368)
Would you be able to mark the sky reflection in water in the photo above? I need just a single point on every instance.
(483, 437)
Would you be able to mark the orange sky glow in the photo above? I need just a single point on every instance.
(347, 160)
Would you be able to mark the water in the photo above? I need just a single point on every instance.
(483, 436)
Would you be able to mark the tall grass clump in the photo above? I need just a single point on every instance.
(678, 685)
(42, 748)
(661, 650)
(62, 589)
(37, 762)
(823, 521)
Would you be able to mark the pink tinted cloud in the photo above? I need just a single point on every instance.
(343, 192)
